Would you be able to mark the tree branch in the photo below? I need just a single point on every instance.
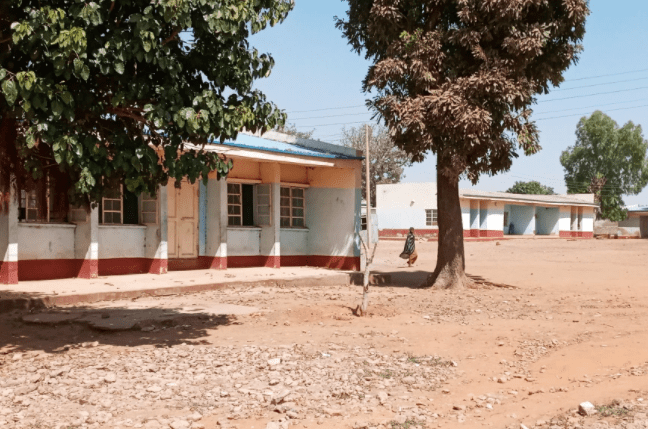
(172, 36)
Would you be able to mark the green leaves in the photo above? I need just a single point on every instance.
(10, 90)
(97, 85)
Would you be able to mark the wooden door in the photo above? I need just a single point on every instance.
(183, 220)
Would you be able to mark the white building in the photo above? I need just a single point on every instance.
(636, 225)
(286, 202)
(484, 214)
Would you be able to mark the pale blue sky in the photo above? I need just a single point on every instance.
(315, 69)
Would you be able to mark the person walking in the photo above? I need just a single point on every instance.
(409, 252)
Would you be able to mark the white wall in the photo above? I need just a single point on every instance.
(294, 242)
(587, 224)
(122, 241)
(495, 215)
(630, 226)
(403, 205)
(332, 218)
(45, 241)
(243, 241)
(465, 214)
(564, 224)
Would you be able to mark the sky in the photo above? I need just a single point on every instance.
(317, 80)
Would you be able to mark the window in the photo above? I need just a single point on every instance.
(240, 204)
(149, 209)
(111, 205)
(44, 202)
(264, 204)
(293, 208)
(431, 217)
(506, 215)
(363, 219)
(234, 204)
(119, 207)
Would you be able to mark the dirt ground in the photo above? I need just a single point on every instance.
(567, 324)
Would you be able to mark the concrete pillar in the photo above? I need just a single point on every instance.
(9, 240)
(86, 240)
(160, 257)
(270, 247)
(216, 224)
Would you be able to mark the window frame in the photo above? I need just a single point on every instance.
(143, 199)
(431, 217)
(239, 205)
(41, 195)
(292, 217)
(258, 205)
(506, 219)
(121, 208)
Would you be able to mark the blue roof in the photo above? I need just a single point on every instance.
(245, 141)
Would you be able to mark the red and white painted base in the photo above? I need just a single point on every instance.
(8, 273)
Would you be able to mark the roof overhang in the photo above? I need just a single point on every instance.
(531, 202)
(261, 156)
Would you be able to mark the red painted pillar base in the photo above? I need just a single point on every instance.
(89, 269)
(218, 264)
(8, 273)
(273, 262)
(159, 266)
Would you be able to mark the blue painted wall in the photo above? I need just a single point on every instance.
(547, 220)
(474, 219)
(522, 217)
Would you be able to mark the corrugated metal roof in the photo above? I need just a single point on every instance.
(246, 141)
(638, 209)
(571, 199)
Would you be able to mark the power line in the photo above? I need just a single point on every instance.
(327, 108)
(333, 116)
(592, 95)
(600, 84)
(607, 75)
(580, 114)
(598, 106)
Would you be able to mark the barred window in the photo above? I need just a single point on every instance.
(112, 207)
(431, 217)
(149, 209)
(293, 208)
(264, 204)
(234, 204)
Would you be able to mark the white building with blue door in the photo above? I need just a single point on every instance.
(485, 214)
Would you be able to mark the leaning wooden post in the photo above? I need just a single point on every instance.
(367, 247)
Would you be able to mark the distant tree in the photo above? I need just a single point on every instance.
(531, 187)
(291, 129)
(94, 91)
(388, 162)
(457, 78)
(607, 160)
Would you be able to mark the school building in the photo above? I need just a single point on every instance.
(484, 214)
(286, 202)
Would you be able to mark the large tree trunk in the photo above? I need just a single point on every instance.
(451, 263)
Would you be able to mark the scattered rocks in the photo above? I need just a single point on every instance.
(586, 409)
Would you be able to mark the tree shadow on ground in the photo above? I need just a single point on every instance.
(399, 278)
(58, 329)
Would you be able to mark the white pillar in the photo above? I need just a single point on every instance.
(9, 243)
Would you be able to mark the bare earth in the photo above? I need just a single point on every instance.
(572, 329)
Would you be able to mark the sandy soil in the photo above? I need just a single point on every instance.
(571, 328)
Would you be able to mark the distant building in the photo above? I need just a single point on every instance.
(636, 225)
(484, 214)
(287, 202)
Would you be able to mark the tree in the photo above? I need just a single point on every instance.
(102, 92)
(457, 78)
(291, 129)
(532, 187)
(388, 162)
(607, 160)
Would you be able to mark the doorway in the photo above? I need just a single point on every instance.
(183, 218)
